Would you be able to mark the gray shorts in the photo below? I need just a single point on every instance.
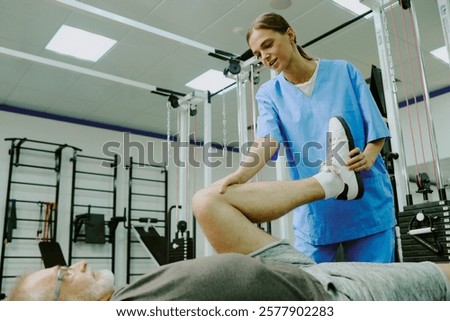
(353, 281)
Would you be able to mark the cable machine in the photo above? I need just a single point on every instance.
(423, 228)
(183, 246)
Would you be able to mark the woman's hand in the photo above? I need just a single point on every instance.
(360, 161)
(229, 180)
(363, 161)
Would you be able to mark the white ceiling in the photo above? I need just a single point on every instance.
(26, 26)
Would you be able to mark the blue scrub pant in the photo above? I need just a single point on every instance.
(379, 247)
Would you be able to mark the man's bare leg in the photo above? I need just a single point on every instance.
(228, 219)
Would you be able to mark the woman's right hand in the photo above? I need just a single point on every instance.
(228, 180)
(258, 155)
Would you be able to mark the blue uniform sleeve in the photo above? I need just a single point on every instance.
(375, 126)
(268, 120)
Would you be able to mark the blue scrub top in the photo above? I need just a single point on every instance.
(300, 122)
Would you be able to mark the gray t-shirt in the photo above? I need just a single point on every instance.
(224, 277)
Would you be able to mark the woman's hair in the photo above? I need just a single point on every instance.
(275, 22)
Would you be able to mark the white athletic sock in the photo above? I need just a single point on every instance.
(331, 183)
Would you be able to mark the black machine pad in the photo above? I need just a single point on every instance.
(51, 254)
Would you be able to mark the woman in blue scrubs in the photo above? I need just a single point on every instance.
(294, 109)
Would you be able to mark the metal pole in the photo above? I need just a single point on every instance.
(207, 133)
(241, 113)
(426, 100)
(183, 161)
(390, 90)
(207, 170)
(252, 97)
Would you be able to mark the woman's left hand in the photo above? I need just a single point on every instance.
(359, 161)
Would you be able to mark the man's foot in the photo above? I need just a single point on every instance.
(341, 142)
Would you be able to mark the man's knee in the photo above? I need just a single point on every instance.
(203, 202)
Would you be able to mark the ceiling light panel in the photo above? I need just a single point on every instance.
(80, 44)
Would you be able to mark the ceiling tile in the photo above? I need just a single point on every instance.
(27, 26)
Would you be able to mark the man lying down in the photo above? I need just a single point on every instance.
(275, 273)
(251, 264)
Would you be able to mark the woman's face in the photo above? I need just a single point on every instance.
(79, 282)
(273, 49)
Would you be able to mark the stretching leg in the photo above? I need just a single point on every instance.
(228, 219)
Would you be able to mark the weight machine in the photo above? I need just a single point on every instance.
(423, 232)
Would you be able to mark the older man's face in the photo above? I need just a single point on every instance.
(79, 283)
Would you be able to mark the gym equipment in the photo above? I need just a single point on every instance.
(182, 246)
(158, 247)
(51, 254)
(424, 229)
(33, 165)
(425, 232)
(148, 220)
(79, 221)
(234, 67)
(400, 178)
(93, 210)
(112, 225)
(94, 227)
(47, 233)
(11, 221)
(156, 244)
(423, 184)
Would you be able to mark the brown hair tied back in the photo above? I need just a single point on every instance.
(275, 22)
